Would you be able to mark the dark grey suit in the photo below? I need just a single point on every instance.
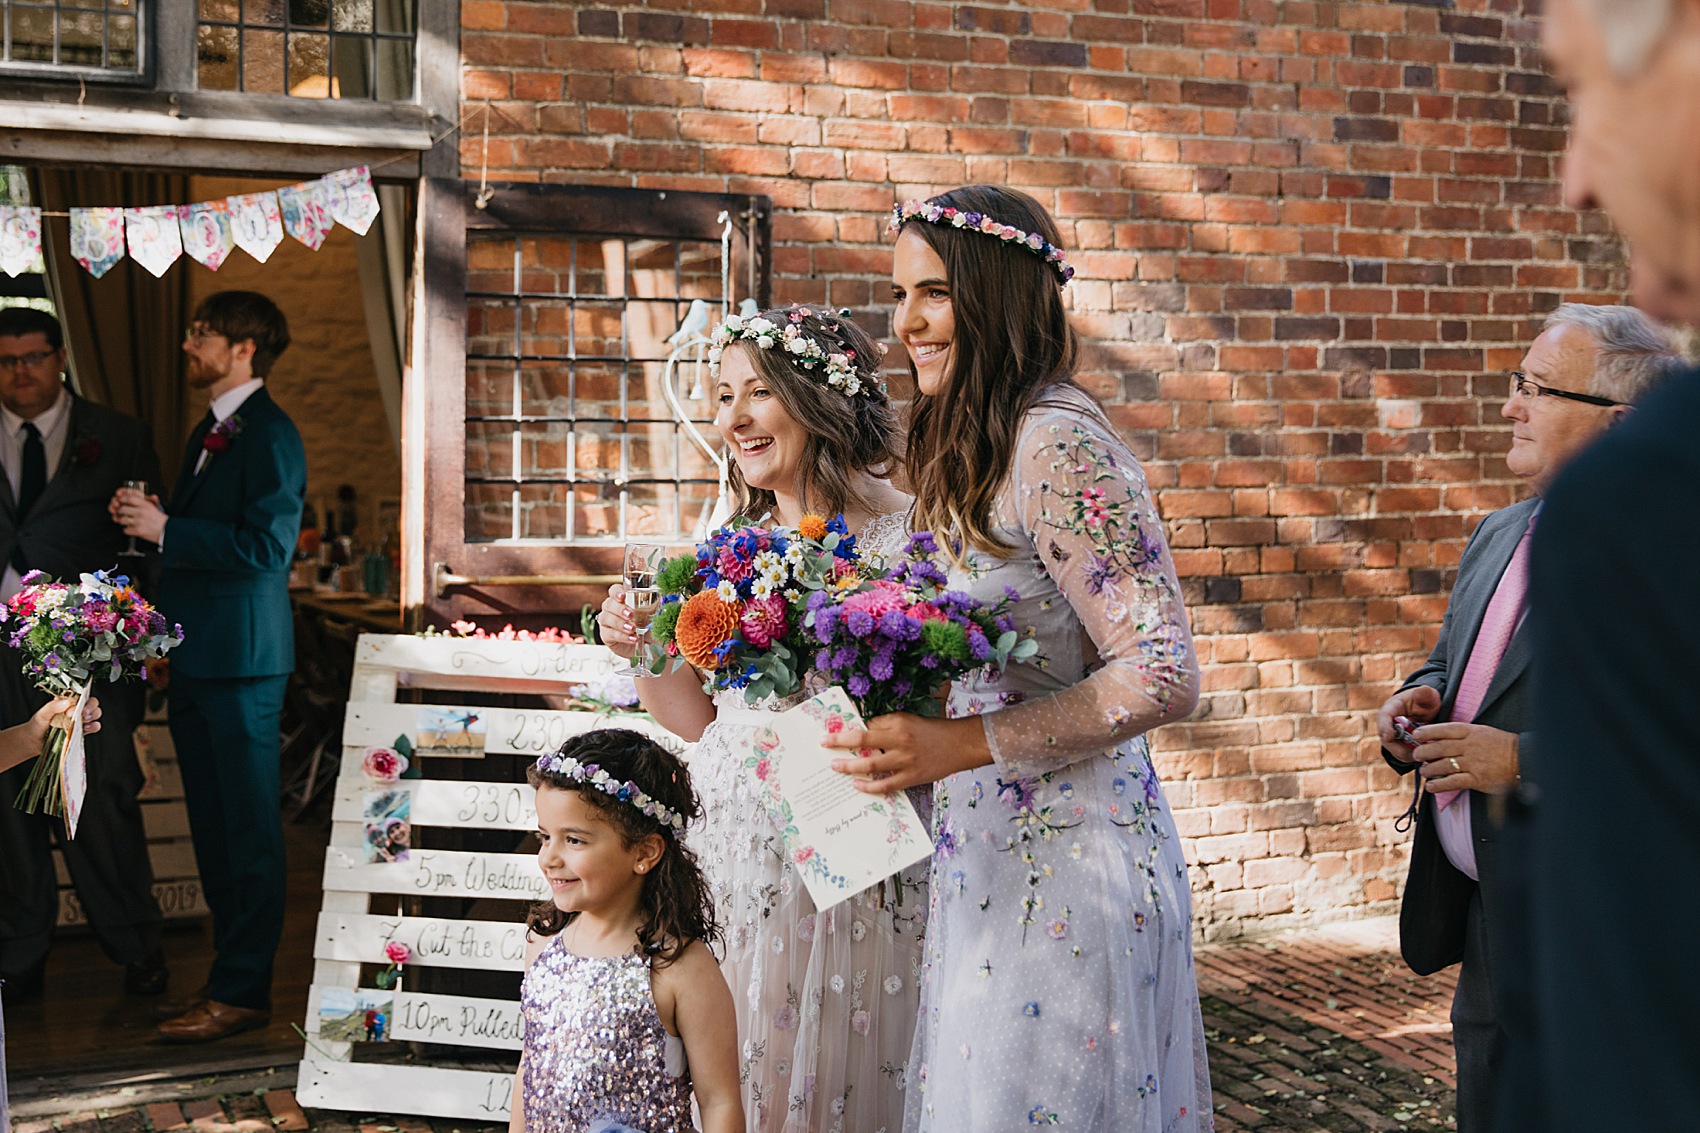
(67, 532)
(1445, 917)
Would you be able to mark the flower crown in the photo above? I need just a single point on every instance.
(980, 222)
(628, 792)
(838, 367)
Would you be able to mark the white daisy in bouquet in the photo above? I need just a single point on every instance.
(70, 635)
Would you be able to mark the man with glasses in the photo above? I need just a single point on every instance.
(226, 541)
(1471, 701)
(61, 458)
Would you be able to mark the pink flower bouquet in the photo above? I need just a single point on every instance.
(71, 634)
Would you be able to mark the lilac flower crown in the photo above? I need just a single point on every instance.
(591, 775)
(988, 225)
(837, 367)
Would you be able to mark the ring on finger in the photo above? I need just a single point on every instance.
(1454, 762)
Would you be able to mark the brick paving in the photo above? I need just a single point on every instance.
(1326, 1030)
(1320, 1030)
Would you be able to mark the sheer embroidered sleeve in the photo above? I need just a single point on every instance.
(1081, 496)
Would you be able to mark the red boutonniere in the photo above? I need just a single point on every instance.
(88, 451)
(220, 436)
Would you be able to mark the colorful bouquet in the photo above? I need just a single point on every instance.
(734, 608)
(761, 608)
(70, 635)
(895, 641)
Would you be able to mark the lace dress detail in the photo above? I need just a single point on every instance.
(826, 1002)
(1058, 985)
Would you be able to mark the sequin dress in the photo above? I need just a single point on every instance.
(1058, 986)
(595, 1049)
(826, 1001)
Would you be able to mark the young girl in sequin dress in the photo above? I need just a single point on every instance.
(1059, 987)
(626, 1015)
(826, 1001)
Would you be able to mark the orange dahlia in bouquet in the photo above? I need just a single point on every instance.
(706, 622)
(733, 606)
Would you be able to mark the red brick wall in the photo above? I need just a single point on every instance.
(1311, 236)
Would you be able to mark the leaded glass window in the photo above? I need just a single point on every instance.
(347, 49)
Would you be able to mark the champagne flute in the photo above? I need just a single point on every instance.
(642, 562)
(132, 551)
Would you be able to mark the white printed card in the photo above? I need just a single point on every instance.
(840, 840)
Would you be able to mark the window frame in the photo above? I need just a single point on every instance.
(434, 456)
(144, 76)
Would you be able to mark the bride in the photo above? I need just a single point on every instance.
(826, 1001)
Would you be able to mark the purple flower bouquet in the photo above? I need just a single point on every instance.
(893, 642)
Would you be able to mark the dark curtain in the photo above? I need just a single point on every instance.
(123, 331)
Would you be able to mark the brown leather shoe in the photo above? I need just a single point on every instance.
(177, 1008)
(212, 1021)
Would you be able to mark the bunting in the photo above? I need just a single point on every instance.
(156, 236)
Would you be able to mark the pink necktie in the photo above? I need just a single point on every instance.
(1498, 624)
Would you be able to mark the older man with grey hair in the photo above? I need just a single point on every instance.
(1471, 698)
(1613, 827)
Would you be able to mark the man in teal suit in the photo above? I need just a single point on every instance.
(226, 540)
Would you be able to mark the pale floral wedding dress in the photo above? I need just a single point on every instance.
(827, 1001)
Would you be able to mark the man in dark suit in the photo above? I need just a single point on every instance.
(1613, 820)
(63, 457)
(1473, 695)
(226, 541)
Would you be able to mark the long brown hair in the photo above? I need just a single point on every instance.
(1013, 345)
(846, 434)
(676, 904)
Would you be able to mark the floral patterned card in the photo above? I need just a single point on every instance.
(840, 840)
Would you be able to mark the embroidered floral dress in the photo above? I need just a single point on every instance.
(1058, 986)
(826, 1001)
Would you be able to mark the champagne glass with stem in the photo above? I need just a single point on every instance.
(642, 561)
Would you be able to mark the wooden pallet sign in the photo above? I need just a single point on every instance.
(360, 865)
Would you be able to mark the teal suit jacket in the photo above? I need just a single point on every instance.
(229, 542)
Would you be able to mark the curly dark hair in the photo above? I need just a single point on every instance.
(676, 904)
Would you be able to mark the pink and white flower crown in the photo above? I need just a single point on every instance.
(837, 367)
(628, 792)
(988, 225)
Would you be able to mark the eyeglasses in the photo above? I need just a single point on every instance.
(33, 359)
(200, 334)
(1531, 390)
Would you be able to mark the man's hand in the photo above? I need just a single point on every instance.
(1419, 702)
(138, 515)
(1473, 757)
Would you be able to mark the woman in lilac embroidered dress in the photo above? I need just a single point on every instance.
(826, 1001)
(1058, 986)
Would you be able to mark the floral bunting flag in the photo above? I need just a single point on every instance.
(255, 223)
(306, 212)
(97, 238)
(354, 204)
(155, 240)
(20, 238)
(206, 232)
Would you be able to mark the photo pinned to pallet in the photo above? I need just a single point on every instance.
(432, 865)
